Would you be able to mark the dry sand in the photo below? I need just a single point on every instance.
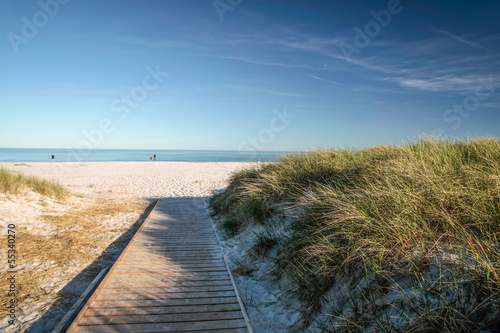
(131, 185)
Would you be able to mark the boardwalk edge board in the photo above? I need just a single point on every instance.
(103, 281)
(76, 308)
(242, 305)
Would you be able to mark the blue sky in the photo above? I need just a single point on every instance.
(231, 74)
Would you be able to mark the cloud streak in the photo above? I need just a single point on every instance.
(459, 39)
(325, 80)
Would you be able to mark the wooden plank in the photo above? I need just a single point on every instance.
(190, 241)
(163, 302)
(189, 262)
(161, 318)
(176, 242)
(167, 327)
(160, 296)
(169, 267)
(196, 236)
(163, 310)
(173, 254)
(166, 278)
(174, 274)
(174, 289)
(179, 258)
(159, 284)
(169, 249)
(180, 265)
(182, 261)
(166, 269)
(150, 268)
(175, 245)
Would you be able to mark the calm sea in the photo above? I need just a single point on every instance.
(65, 155)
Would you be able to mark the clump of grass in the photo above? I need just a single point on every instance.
(13, 183)
(263, 243)
(389, 212)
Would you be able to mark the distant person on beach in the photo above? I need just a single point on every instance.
(53, 156)
(150, 158)
(154, 156)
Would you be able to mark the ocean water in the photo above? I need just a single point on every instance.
(104, 155)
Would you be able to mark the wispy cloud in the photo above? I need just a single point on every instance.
(459, 39)
(155, 44)
(262, 62)
(449, 83)
(434, 64)
(266, 91)
(325, 80)
(494, 105)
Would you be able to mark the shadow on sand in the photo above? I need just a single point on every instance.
(67, 296)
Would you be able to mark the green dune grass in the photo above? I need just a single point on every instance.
(13, 183)
(407, 237)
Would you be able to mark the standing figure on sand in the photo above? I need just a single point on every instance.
(154, 157)
(53, 156)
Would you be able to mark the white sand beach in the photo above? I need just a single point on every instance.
(135, 179)
(94, 184)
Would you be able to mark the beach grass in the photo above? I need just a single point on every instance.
(406, 238)
(14, 182)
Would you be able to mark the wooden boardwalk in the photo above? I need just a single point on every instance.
(172, 277)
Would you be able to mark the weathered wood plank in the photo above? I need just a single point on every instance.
(164, 302)
(190, 263)
(167, 278)
(166, 241)
(163, 310)
(171, 289)
(168, 327)
(167, 268)
(174, 274)
(161, 318)
(167, 284)
(160, 296)
(163, 249)
(172, 255)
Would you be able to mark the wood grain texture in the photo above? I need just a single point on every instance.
(172, 277)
